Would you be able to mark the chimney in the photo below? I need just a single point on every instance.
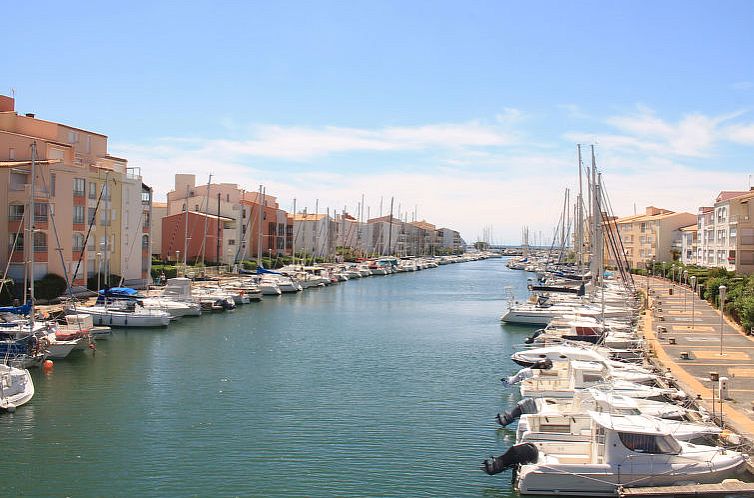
(7, 104)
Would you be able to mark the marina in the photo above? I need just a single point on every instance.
(380, 386)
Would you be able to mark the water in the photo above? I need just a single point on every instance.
(385, 386)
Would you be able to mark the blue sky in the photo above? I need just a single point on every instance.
(470, 110)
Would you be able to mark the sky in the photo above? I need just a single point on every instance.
(467, 114)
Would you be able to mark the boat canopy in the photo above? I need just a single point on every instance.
(637, 424)
(17, 310)
(261, 270)
(119, 292)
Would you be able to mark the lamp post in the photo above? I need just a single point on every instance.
(693, 298)
(722, 290)
(685, 288)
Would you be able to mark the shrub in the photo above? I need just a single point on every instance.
(49, 287)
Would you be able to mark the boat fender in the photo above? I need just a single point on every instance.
(516, 455)
(526, 405)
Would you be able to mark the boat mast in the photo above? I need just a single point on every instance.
(580, 219)
(31, 232)
(185, 231)
(596, 215)
(390, 228)
(206, 219)
(293, 238)
(259, 237)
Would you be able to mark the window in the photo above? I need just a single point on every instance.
(106, 192)
(19, 244)
(79, 187)
(78, 242)
(73, 137)
(78, 215)
(146, 219)
(40, 212)
(650, 443)
(231, 242)
(40, 242)
(146, 197)
(15, 212)
(92, 216)
(92, 190)
(103, 219)
(11, 154)
(53, 181)
(18, 181)
(145, 241)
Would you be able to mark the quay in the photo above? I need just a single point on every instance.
(729, 487)
(689, 346)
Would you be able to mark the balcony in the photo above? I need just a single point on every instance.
(739, 218)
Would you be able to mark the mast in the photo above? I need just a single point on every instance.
(108, 216)
(580, 219)
(596, 232)
(390, 229)
(259, 237)
(293, 238)
(185, 230)
(31, 232)
(206, 212)
(217, 242)
(316, 232)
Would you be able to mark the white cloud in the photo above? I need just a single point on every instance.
(485, 174)
(305, 143)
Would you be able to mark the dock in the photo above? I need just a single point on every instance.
(729, 487)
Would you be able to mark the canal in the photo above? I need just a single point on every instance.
(384, 386)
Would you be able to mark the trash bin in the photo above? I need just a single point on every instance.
(670, 291)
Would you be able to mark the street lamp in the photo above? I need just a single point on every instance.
(693, 298)
(722, 289)
(685, 288)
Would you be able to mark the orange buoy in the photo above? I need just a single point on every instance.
(47, 365)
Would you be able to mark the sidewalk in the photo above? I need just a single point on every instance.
(700, 338)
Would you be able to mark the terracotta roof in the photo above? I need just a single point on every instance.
(729, 194)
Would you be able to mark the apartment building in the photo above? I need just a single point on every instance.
(236, 224)
(726, 232)
(159, 211)
(689, 245)
(79, 204)
(654, 235)
(450, 239)
(314, 234)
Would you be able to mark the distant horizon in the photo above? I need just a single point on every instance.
(469, 114)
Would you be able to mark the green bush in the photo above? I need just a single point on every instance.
(49, 287)
(169, 270)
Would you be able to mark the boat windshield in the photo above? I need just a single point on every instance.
(650, 443)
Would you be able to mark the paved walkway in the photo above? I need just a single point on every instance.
(699, 336)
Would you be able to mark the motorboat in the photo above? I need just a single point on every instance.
(126, 314)
(617, 451)
(16, 387)
(580, 375)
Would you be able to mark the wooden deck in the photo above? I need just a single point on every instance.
(730, 487)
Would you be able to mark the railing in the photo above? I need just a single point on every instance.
(40, 248)
(739, 218)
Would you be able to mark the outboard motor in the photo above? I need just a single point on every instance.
(536, 334)
(519, 454)
(526, 405)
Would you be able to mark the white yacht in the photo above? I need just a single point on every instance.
(618, 450)
(16, 387)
